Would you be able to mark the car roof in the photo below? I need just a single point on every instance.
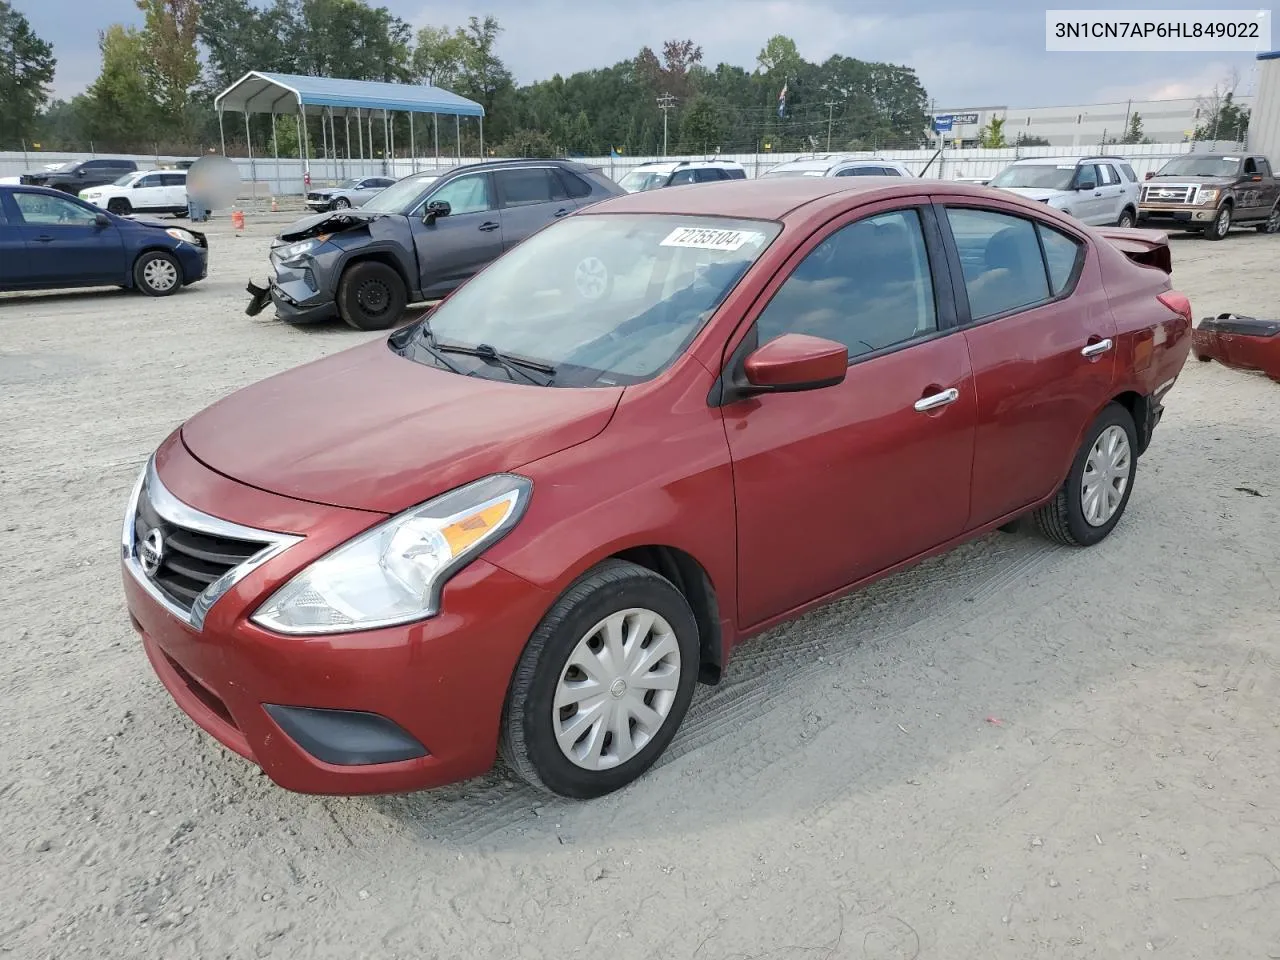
(827, 161)
(670, 166)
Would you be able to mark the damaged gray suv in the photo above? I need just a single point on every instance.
(419, 239)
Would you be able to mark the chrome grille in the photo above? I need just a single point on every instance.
(1168, 193)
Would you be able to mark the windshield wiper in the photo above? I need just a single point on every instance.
(512, 364)
(427, 341)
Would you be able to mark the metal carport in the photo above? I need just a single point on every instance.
(281, 94)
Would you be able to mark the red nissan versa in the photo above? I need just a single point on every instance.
(532, 521)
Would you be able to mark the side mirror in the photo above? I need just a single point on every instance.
(80, 172)
(1087, 185)
(435, 209)
(1149, 175)
(795, 362)
(102, 220)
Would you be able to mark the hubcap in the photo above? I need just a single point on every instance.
(1224, 220)
(160, 274)
(373, 297)
(1126, 220)
(591, 277)
(1106, 476)
(341, 203)
(1273, 221)
(617, 689)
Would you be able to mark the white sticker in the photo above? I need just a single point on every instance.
(706, 238)
(1231, 159)
(815, 173)
(1066, 166)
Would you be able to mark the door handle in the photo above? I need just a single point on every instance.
(562, 212)
(1095, 349)
(44, 238)
(936, 400)
(1097, 193)
(488, 225)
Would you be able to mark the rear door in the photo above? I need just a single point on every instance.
(64, 243)
(455, 247)
(530, 198)
(14, 268)
(1111, 185)
(1253, 193)
(1041, 338)
(175, 190)
(1270, 188)
(1088, 205)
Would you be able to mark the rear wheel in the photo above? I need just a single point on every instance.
(120, 206)
(371, 296)
(1092, 500)
(603, 684)
(157, 273)
(1272, 223)
(1221, 224)
(1127, 219)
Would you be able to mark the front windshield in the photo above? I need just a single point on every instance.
(346, 184)
(124, 181)
(607, 299)
(1201, 166)
(638, 181)
(1035, 176)
(401, 196)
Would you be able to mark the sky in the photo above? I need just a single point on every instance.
(983, 53)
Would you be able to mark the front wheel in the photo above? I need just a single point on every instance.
(1272, 223)
(1089, 505)
(1127, 219)
(371, 296)
(157, 274)
(341, 203)
(119, 206)
(1221, 224)
(603, 684)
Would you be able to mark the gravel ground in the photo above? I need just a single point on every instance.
(1014, 750)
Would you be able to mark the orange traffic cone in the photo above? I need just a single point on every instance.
(275, 207)
(237, 219)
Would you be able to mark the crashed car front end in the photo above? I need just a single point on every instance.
(319, 200)
(306, 263)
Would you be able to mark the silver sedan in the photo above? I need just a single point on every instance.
(348, 193)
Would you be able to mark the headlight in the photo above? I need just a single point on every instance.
(184, 235)
(292, 251)
(1208, 195)
(394, 573)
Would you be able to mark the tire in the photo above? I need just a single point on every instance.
(1202, 358)
(119, 206)
(371, 296)
(340, 203)
(157, 273)
(621, 592)
(1221, 225)
(1272, 223)
(1063, 518)
(1127, 218)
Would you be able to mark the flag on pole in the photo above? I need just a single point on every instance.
(782, 100)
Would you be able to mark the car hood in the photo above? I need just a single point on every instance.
(370, 430)
(335, 220)
(1034, 193)
(1184, 180)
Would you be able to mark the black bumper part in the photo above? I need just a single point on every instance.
(1245, 326)
(346, 738)
(259, 296)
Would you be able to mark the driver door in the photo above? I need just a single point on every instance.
(835, 485)
(64, 243)
(452, 249)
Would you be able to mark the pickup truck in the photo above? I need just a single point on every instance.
(1210, 193)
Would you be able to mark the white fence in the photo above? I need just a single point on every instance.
(267, 177)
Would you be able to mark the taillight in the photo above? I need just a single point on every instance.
(1178, 303)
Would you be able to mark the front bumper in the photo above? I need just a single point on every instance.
(296, 291)
(195, 262)
(1176, 213)
(381, 711)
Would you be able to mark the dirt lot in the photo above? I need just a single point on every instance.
(1016, 750)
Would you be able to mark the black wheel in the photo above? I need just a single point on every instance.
(119, 206)
(1127, 218)
(1097, 490)
(340, 203)
(603, 684)
(371, 296)
(1221, 225)
(157, 273)
(1272, 223)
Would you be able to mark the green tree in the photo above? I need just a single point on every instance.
(527, 143)
(779, 58)
(120, 110)
(350, 39)
(992, 135)
(26, 69)
(672, 73)
(172, 66)
(1134, 133)
(702, 125)
(1022, 140)
(483, 76)
(439, 56)
(1223, 118)
(239, 37)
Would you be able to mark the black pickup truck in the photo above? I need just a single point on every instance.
(1210, 193)
(76, 175)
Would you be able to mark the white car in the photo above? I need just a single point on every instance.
(836, 165)
(652, 176)
(1101, 191)
(147, 191)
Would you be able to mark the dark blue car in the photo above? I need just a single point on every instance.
(48, 240)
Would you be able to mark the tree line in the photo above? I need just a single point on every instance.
(155, 87)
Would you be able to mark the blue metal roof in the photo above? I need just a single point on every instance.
(258, 92)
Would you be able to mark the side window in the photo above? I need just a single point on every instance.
(468, 194)
(574, 185)
(1062, 254)
(43, 209)
(1109, 175)
(1250, 168)
(708, 175)
(1086, 172)
(867, 286)
(734, 174)
(519, 188)
(382, 182)
(149, 181)
(173, 179)
(1001, 260)
(1264, 167)
(861, 172)
(680, 177)
(892, 172)
(1128, 173)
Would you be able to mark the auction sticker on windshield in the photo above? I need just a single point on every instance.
(705, 238)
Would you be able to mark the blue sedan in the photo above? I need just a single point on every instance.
(50, 240)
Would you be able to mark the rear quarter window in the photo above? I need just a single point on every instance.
(574, 185)
(1063, 255)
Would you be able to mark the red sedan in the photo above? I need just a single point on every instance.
(532, 521)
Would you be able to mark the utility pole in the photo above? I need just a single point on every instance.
(665, 103)
(831, 105)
